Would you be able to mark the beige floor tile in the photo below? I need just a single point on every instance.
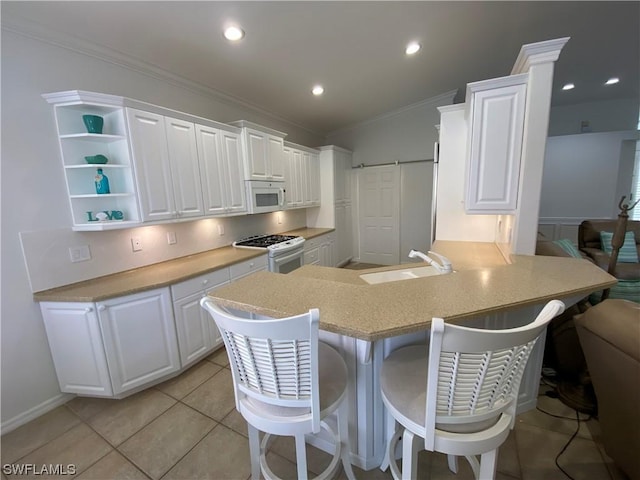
(112, 466)
(236, 422)
(554, 406)
(125, 417)
(87, 407)
(222, 455)
(283, 468)
(219, 357)
(80, 447)
(159, 445)
(373, 474)
(27, 438)
(317, 460)
(508, 461)
(214, 397)
(440, 468)
(538, 448)
(188, 381)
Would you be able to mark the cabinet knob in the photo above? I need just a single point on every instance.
(101, 308)
(251, 265)
(88, 310)
(205, 281)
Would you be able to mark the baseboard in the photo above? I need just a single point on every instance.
(35, 412)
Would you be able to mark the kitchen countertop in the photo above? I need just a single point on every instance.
(483, 282)
(160, 274)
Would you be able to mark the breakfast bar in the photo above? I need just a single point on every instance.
(366, 322)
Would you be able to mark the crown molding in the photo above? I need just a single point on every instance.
(537, 53)
(38, 32)
(444, 97)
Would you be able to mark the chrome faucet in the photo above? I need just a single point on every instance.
(445, 267)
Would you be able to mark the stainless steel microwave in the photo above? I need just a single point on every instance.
(265, 196)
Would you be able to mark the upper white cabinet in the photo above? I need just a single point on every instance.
(262, 152)
(496, 120)
(91, 210)
(221, 171)
(302, 169)
(166, 163)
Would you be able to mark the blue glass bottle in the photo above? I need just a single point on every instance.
(102, 182)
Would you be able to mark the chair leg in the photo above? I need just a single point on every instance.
(301, 456)
(345, 444)
(488, 465)
(452, 460)
(390, 430)
(254, 451)
(409, 456)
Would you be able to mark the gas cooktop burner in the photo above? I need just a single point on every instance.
(263, 241)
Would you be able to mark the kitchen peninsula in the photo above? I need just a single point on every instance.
(366, 322)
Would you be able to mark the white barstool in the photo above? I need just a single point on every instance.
(459, 395)
(286, 382)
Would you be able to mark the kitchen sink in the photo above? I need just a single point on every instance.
(396, 275)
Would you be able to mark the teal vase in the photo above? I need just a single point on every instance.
(102, 182)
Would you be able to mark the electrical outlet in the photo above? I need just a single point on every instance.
(136, 244)
(80, 253)
(220, 229)
(279, 217)
(171, 238)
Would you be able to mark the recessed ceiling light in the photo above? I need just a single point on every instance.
(233, 33)
(412, 48)
(317, 90)
(612, 81)
(569, 86)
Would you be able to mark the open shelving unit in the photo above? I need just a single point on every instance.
(113, 143)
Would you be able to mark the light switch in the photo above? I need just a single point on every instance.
(80, 253)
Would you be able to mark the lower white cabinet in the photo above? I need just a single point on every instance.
(344, 237)
(320, 250)
(113, 346)
(139, 338)
(197, 334)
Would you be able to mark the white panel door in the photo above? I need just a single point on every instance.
(152, 165)
(76, 347)
(379, 222)
(193, 329)
(275, 158)
(235, 196)
(139, 338)
(212, 172)
(256, 160)
(185, 172)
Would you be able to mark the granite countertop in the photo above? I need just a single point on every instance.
(483, 282)
(160, 274)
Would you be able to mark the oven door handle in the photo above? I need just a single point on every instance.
(298, 253)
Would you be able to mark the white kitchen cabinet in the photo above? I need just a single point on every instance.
(166, 163)
(197, 334)
(495, 116)
(139, 338)
(242, 269)
(77, 349)
(110, 347)
(319, 250)
(302, 167)
(344, 235)
(262, 152)
(120, 206)
(221, 171)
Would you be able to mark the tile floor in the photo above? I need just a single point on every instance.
(187, 428)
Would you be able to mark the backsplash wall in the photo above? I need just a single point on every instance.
(49, 265)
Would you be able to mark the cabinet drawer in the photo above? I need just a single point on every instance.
(311, 244)
(312, 256)
(248, 266)
(200, 283)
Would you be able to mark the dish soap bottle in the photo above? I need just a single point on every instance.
(102, 182)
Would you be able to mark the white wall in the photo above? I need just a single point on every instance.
(401, 135)
(34, 198)
(584, 177)
(605, 116)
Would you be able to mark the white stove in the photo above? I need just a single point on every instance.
(286, 252)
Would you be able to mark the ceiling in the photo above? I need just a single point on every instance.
(354, 49)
